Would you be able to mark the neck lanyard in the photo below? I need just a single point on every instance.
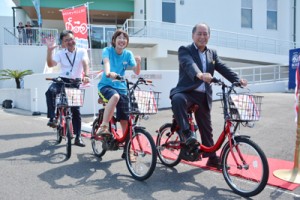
(71, 63)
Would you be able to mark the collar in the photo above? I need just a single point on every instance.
(67, 51)
(198, 48)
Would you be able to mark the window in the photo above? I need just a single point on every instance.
(168, 11)
(101, 36)
(272, 14)
(246, 21)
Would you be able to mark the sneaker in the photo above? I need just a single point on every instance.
(190, 138)
(79, 142)
(123, 155)
(103, 130)
(52, 123)
(214, 162)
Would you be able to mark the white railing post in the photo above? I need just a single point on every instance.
(35, 100)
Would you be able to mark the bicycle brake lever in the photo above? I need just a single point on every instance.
(148, 82)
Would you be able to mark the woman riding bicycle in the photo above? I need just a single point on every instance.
(116, 60)
(197, 64)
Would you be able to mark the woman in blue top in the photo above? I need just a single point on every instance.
(116, 60)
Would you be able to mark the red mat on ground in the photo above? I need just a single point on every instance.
(274, 164)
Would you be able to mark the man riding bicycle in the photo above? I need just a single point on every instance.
(74, 62)
(197, 64)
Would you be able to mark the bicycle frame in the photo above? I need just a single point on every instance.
(226, 133)
(64, 113)
(121, 138)
(228, 130)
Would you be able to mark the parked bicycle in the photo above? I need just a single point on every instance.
(243, 163)
(67, 98)
(138, 145)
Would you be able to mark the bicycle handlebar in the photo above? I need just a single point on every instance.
(139, 81)
(60, 80)
(220, 82)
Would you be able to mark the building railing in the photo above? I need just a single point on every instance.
(32, 36)
(261, 74)
(178, 32)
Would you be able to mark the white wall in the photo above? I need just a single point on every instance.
(226, 15)
(298, 22)
(54, 24)
(138, 6)
(154, 10)
(20, 97)
(23, 57)
(5, 22)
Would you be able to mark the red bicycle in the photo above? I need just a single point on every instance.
(67, 98)
(138, 145)
(243, 163)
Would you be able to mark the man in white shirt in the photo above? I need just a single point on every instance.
(74, 63)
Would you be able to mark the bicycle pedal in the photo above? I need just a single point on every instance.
(52, 126)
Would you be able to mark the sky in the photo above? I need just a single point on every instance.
(5, 7)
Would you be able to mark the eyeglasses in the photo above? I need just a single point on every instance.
(69, 40)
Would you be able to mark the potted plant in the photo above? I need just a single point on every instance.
(14, 74)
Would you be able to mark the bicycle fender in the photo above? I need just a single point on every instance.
(139, 127)
(242, 136)
(163, 127)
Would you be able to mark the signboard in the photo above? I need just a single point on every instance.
(293, 63)
(75, 19)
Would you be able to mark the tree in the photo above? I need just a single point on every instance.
(14, 74)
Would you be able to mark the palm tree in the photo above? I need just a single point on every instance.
(14, 74)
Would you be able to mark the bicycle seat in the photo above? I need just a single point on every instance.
(193, 108)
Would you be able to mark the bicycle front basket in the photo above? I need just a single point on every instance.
(75, 97)
(244, 107)
(144, 102)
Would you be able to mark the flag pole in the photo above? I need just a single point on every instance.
(293, 175)
(91, 58)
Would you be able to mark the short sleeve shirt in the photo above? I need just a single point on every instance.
(67, 59)
(118, 64)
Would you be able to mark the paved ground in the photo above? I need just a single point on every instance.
(33, 166)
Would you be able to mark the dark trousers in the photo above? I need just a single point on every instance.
(53, 90)
(181, 102)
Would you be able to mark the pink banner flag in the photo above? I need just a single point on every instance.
(75, 19)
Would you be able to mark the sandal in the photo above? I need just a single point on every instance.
(103, 130)
(132, 156)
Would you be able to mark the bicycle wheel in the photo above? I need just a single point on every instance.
(168, 146)
(59, 128)
(69, 137)
(59, 133)
(250, 176)
(97, 141)
(140, 155)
